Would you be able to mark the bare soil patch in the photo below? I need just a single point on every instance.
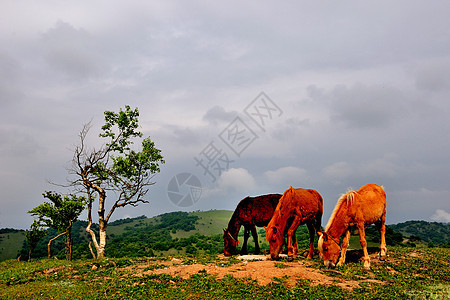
(259, 268)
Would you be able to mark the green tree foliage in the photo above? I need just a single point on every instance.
(33, 236)
(80, 243)
(429, 232)
(148, 240)
(59, 214)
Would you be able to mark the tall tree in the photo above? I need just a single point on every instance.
(114, 170)
(33, 236)
(60, 215)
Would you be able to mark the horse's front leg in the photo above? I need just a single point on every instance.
(244, 245)
(255, 238)
(362, 240)
(293, 252)
(345, 241)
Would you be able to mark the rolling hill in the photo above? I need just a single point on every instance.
(430, 232)
(180, 232)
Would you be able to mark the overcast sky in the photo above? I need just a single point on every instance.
(244, 98)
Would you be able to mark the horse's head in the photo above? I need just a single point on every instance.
(275, 238)
(229, 242)
(329, 249)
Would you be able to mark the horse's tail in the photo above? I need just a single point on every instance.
(349, 197)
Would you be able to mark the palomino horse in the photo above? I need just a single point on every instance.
(364, 207)
(250, 212)
(296, 207)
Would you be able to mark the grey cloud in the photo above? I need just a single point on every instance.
(362, 87)
(218, 114)
(366, 106)
(73, 51)
(18, 144)
(11, 73)
(441, 216)
(434, 75)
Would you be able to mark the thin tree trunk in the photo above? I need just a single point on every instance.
(102, 244)
(102, 224)
(50, 243)
(88, 227)
(69, 242)
(90, 249)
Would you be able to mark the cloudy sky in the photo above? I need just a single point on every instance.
(244, 98)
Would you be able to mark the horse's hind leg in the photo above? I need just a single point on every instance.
(244, 245)
(382, 228)
(255, 238)
(311, 230)
(294, 237)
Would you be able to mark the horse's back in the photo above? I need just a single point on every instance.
(257, 210)
(309, 197)
(372, 201)
(373, 193)
(307, 200)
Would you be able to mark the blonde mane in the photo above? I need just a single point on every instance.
(349, 198)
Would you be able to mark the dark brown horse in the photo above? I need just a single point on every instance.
(250, 212)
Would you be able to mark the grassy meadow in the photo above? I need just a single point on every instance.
(408, 273)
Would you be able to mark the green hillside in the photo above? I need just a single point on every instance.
(200, 231)
(11, 241)
(209, 223)
(430, 232)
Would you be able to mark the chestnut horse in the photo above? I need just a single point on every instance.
(361, 208)
(296, 207)
(250, 212)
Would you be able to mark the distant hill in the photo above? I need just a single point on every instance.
(430, 232)
(181, 232)
(129, 233)
(11, 241)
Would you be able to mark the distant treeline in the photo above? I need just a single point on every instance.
(141, 236)
(9, 230)
(433, 233)
(137, 240)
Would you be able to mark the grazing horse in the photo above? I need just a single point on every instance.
(296, 207)
(250, 212)
(361, 208)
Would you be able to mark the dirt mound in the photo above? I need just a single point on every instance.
(258, 268)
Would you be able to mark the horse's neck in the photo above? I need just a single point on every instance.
(339, 223)
(234, 225)
(279, 221)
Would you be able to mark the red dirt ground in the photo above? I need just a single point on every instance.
(263, 271)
